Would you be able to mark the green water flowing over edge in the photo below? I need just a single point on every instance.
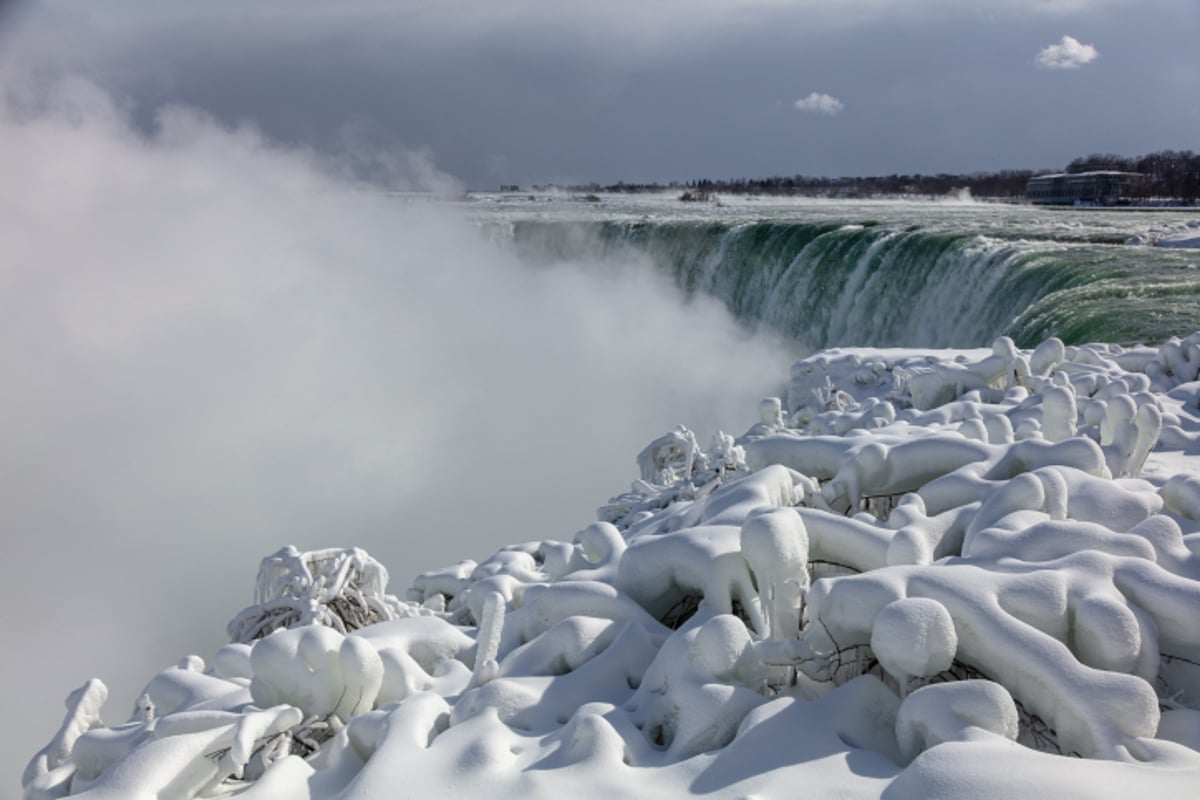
(830, 284)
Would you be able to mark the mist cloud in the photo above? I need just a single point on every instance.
(1069, 53)
(214, 346)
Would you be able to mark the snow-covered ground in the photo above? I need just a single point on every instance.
(921, 574)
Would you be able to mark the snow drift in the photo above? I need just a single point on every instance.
(920, 574)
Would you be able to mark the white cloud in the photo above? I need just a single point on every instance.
(1069, 53)
(820, 103)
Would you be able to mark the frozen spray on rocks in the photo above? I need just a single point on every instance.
(948, 569)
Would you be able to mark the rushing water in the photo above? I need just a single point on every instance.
(830, 273)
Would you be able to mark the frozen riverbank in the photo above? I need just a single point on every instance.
(917, 572)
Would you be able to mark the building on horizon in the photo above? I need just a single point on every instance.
(1099, 188)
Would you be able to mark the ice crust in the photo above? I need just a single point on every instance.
(919, 575)
(1183, 234)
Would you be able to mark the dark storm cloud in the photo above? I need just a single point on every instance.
(535, 92)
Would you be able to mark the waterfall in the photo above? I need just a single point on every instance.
(828, 285)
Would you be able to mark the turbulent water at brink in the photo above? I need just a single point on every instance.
(830, 273)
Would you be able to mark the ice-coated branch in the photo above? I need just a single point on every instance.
(51, 769)
(344, 589)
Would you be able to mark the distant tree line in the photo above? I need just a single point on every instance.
(1173, 174)
(1170, 175)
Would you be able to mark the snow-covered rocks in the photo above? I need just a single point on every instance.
(920, 572)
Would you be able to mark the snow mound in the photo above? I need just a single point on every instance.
(920, 574)
(914, 636)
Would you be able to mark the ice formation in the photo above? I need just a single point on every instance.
(343, 589)
(919, 575)
(1183, 234)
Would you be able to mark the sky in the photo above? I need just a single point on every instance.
(216, 344)
(535, 91)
